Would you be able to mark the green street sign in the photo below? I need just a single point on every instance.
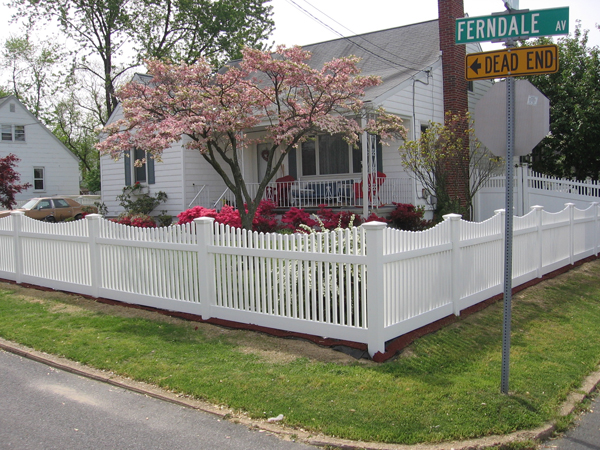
(541, 22)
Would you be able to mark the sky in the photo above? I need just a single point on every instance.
(298, 22)
(295, 25)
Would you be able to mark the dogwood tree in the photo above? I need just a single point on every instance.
(211, 112)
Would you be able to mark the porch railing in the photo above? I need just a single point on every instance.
(202, 197)
(346, 193)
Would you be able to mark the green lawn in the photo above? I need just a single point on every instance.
(445, 386)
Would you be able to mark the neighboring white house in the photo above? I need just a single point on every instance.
(46, 163)
(409, 61)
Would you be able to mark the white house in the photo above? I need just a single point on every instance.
(326, 170)
(46, 163)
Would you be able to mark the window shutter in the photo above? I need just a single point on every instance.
(127, 159)
(150, 166)
(292, 169)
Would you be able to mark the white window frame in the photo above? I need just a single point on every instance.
(43, 179)
(17, 133)
(299, 158)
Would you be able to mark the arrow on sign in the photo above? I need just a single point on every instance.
(476, 66)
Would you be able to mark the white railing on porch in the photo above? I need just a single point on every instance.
(201, 197)
(369, 284)
(347, 193)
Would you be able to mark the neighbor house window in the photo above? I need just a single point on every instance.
(13, 133)
(329, 155)
(38, 178)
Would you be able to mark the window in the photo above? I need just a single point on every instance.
(61, 203)
(38, 178)
(143, 174)
(12, 107)
(13, 133)
(20, 133)
(6, 132)
(329, 155)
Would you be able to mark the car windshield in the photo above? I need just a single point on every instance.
(31, 203)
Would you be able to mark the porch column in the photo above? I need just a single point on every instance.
(365, 168)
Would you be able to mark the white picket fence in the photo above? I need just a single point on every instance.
(532, 188)
(369, 284)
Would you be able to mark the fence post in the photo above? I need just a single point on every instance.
(375, 287)
(539, 247)
(571, 207)
(93, 223)
(206, 269)
(596, 231)
(455, 266)
(17, 218)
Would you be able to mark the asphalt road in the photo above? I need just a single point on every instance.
(45, 408)
(584, 436)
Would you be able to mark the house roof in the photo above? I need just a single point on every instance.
(395, 54)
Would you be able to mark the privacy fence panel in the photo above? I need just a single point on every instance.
(7, 248)
(417, 278)
(481, 261)
(152, 266)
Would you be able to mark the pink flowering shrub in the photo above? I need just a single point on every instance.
(136, 220)
(189, 215)
(229, 216)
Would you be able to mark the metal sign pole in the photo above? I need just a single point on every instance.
(508, 229)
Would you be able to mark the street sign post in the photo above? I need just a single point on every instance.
(518, 25)
(508, 27)
(512, 62)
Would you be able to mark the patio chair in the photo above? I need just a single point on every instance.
(373, 187)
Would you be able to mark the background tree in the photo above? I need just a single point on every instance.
(9, 181)
(571, 150)
(35, 71)
(119, 33)
(440, 150)
(184, 30)
(76, 127)
(210, 112)
(98, 27)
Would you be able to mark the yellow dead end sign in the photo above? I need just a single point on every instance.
(512, 62)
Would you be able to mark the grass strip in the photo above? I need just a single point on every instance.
(443, 387)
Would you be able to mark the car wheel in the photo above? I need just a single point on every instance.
(50, 219)
(78, 217)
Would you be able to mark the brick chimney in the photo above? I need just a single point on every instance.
(455, 87)
(453, 57)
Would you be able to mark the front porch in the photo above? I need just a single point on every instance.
(348, 193)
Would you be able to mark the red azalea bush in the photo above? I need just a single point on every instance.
(189, 215)
(404, 217)
(332, 220)
(375, 218)
(408, 217)
(295, 217)
(265, 220)
(136, 220)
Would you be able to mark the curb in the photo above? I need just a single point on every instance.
(544, 432)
